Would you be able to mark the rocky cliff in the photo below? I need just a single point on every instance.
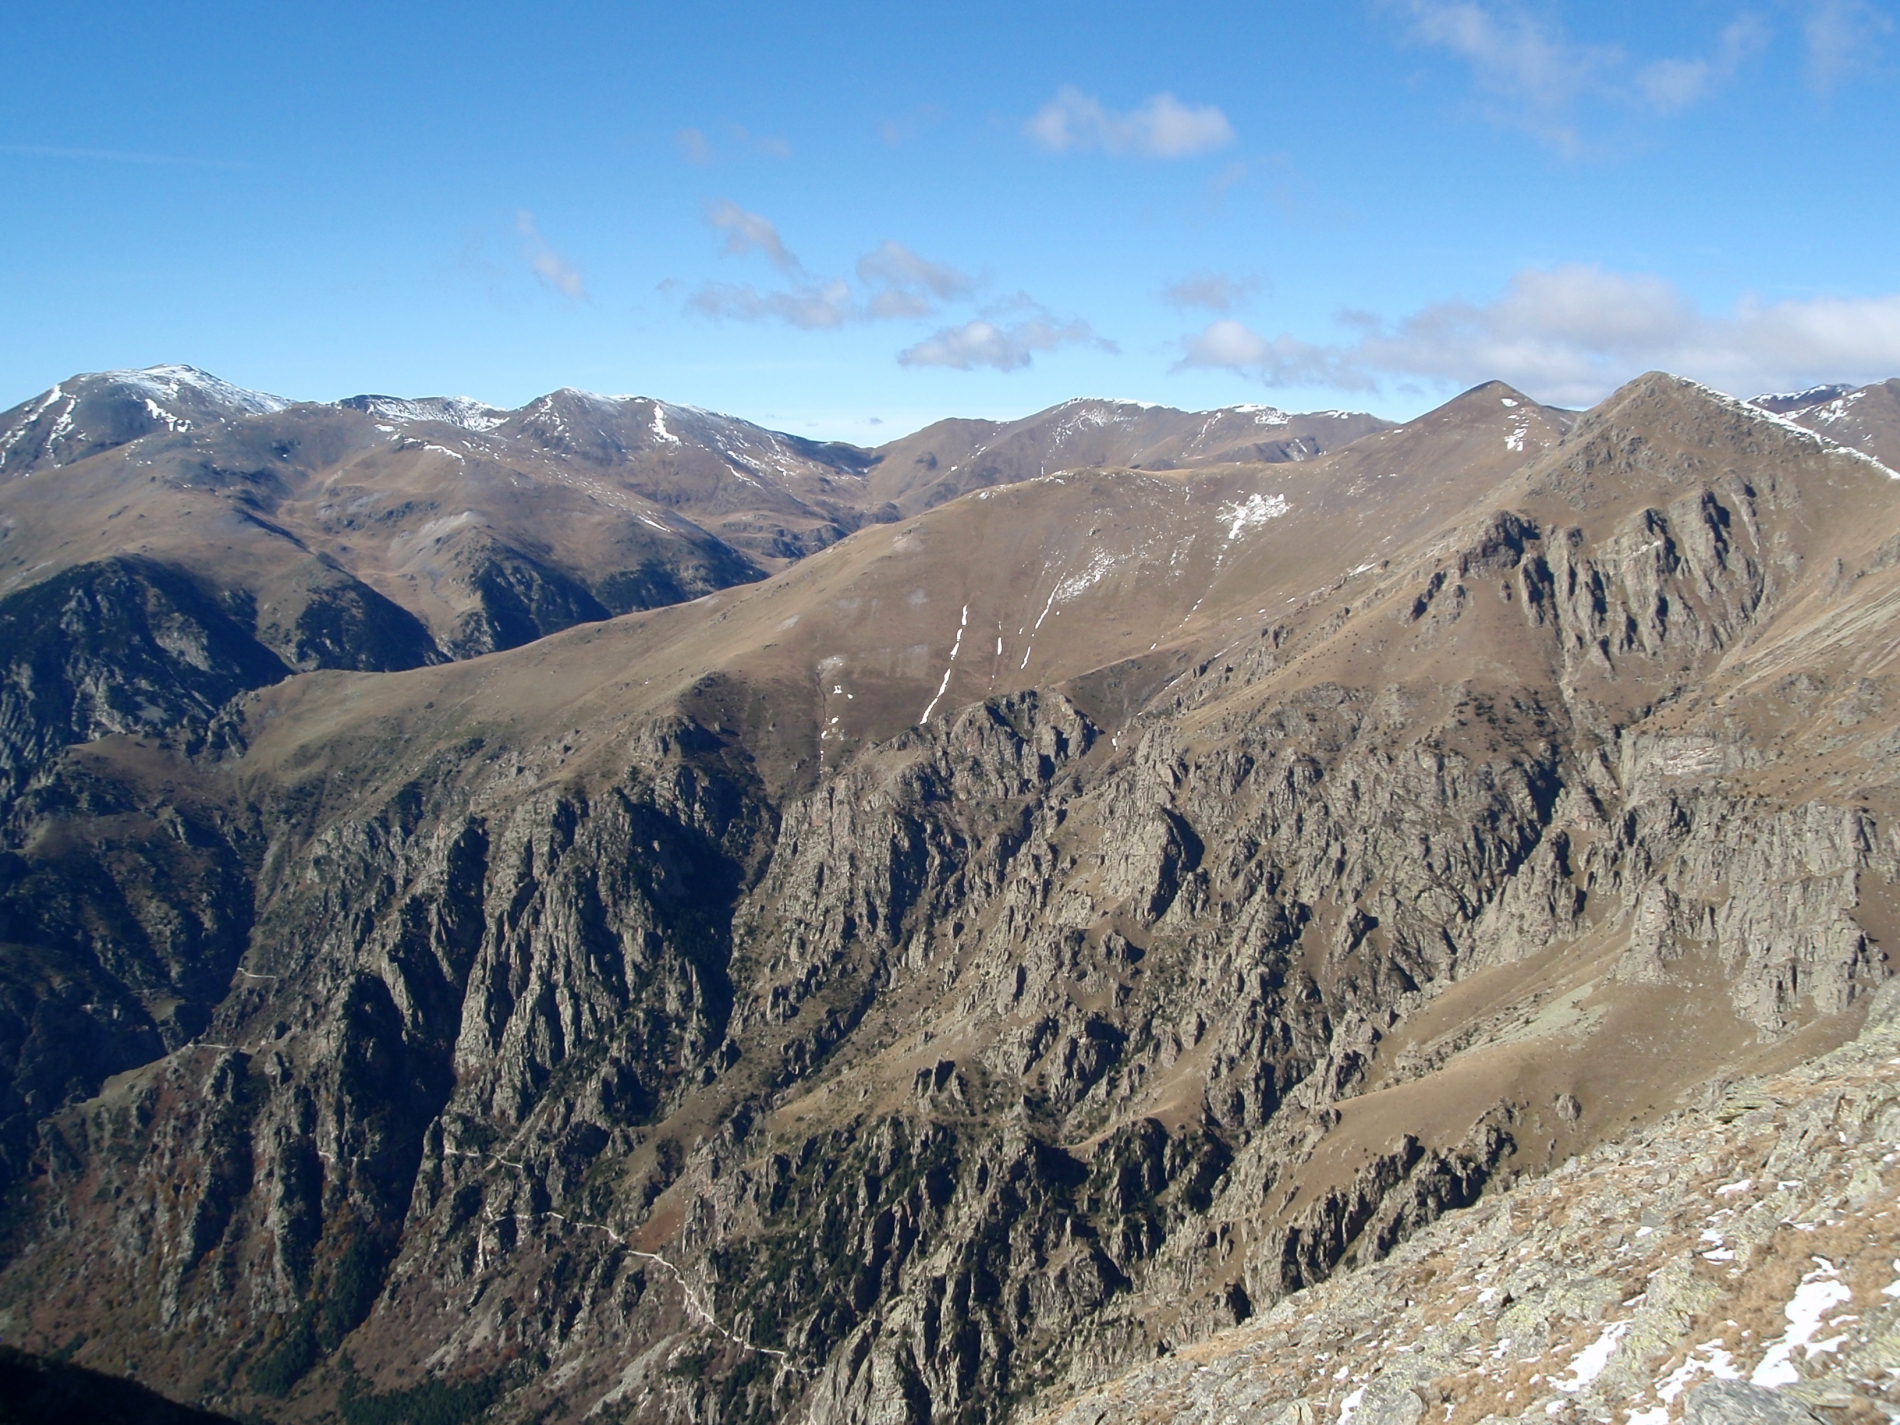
(692, 1017)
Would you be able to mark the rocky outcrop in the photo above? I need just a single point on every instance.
(125, 646)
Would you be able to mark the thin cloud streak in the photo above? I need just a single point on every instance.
(1283, 360)
(822, 306)
(909, 125)
(894, 282)
(696, 147)
(1571, 334)
(1670, 85)
(1512, 54)
(106, 155)
(893, 265)
(1211, 292)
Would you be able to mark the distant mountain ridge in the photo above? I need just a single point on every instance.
(1865, 417)
(168, 507)
(486, 528)
(953, 457)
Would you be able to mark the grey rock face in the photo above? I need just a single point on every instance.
(1736, 1402)
(120, 647)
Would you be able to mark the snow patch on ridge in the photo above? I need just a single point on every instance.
(1257, 509)
(1096, 569)
(1262, 415)
(949, 668)
(463, 411)
(1813, 438)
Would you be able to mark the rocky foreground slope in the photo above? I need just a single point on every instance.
(1738, 1260)
(1016, 941)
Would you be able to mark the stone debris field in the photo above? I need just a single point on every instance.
(1753, 1241)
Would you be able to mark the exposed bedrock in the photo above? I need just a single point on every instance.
(1011, 1052)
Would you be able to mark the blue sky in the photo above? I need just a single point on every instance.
(853, 222)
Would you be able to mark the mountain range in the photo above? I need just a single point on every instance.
(605, 911)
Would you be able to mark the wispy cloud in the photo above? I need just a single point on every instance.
(1163, 127)
(1283, 360)
(810, 306)
(555, 272)
(748, 232)
(903, 284)
(1571, 334)
(1668, 85)
(1532, 74)
(1211, 291)
(893, 281)
(1842, 37)
(771, 145)
(1005, 346)
(1515, 56)
(696, 146)
(909, 125)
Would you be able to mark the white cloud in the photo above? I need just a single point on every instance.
(748, 232)
(556, 273)
(694, 146)
(894, 283)
(1533, 74)
(1211, 291)
(1512, 55)
(1572, 334)
(1842, 36)
(1164, 127)
(1283, 360)
(1006, 347)
(1668, 85)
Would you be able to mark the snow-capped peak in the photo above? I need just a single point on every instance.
(169, 381)
(1781, 402)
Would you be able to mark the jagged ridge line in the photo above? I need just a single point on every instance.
(1827, 444)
